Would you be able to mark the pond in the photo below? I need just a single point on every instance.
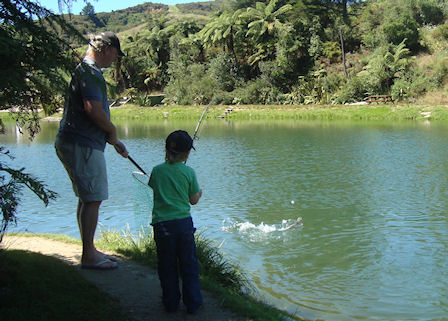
(372, 198)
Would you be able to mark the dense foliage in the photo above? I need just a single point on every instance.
(32, 56)
(289, 52)
(33, 66)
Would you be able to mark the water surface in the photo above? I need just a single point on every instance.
(372, 197)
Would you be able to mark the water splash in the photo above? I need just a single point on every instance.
(262, 231)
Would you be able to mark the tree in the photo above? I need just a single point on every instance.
(67, 4)
(263, 23)
(33, 64)
(385, 65)
(88, 10)
(33, 59)
(390, 21)
(222, 30)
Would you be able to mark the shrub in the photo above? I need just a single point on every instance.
(224, 69)
(142, 100)
(411, 86)
(258, 91)
(332, 51)
(441, 32)
(189, 85)
(428, 12)
(400, 28)
(223, 98)
(439, 69)
(353, 91)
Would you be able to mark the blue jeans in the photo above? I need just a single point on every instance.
(176, 253)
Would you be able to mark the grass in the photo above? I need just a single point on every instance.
(53, 283)
(302, 112)
(438, 111)
(217, 274)
(38, 287)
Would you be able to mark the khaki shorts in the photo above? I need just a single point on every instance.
(86, 168)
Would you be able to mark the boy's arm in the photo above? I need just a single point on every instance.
(194, 199)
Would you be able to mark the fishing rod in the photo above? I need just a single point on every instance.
(195, 136)
(132, 160)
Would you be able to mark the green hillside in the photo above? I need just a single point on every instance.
(277, 51)
(125, 19)
(289, 52)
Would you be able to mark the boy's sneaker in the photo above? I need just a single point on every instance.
(193, 310)
(171, 309)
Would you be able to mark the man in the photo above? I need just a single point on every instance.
(84, 130)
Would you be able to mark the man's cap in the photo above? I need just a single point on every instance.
(179, 141)
(111, 39)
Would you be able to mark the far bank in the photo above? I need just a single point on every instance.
(304, 112)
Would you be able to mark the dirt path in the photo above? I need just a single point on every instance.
(135, 286)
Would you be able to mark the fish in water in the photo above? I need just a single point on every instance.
(298, 222)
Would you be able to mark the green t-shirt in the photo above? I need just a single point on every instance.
(172, 185)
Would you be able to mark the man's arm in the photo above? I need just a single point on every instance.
(96, 113)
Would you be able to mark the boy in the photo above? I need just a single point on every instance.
(175, 187)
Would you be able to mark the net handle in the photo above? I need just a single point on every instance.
(137, 165)
(118, 148)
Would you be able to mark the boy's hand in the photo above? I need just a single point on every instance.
(194, 199)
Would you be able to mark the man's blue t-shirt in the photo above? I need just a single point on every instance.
(87, 84)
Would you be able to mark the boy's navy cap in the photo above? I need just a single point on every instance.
(179, 141)
(111, 39)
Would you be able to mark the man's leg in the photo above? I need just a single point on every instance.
(87, 220)
(78, 217)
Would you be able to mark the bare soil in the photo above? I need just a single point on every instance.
(136, 287)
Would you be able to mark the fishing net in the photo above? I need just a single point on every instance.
(141, 178)
(142, 195)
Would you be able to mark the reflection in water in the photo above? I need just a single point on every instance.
(372, 198)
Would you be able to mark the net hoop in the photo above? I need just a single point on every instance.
(141, 178)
